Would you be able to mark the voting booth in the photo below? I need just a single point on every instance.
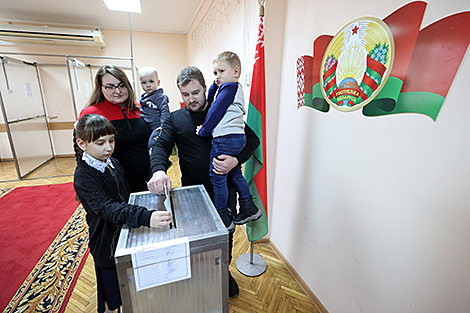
(180, 268)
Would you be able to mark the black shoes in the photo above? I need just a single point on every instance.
(226, 217)
(245, 217)
(233, 290)
(230, 226)
(248, 212)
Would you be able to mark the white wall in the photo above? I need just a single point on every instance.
(165, 52)
(373, 213)
(219, 26)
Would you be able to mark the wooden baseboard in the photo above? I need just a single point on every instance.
(262, 240)
(297, 277)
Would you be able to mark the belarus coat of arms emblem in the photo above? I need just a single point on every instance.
(357, 63)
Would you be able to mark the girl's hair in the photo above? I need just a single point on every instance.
(90, 128)
(97, 95)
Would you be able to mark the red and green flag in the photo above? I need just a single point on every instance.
(308, 76)
(425, 64)
(437, 54)
(255, 167)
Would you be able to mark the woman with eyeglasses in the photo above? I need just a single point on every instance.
(114, 98)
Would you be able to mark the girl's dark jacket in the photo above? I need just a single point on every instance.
(104, 197)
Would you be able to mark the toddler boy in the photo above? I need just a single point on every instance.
(153, 102)
(225, 122)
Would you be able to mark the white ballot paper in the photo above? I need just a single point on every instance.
(161, 263)
(167, 202)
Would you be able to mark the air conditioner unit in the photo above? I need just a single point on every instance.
(44, 35)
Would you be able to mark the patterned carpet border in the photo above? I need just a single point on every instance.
(46, 287)
(4, 191)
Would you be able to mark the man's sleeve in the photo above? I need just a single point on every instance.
(252, 143)
(161, 151)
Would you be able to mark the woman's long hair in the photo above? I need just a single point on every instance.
(90, 128)
(97, 95)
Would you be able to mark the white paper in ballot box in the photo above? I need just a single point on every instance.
(161, 263)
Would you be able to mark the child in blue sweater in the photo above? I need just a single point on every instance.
(153, 102)
(224, 121)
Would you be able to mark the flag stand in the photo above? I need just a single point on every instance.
(251, 264)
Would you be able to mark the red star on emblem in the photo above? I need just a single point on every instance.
(355, 29)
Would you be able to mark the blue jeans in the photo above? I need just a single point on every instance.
(231, 145)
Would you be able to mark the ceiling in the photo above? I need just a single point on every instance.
(166, 16)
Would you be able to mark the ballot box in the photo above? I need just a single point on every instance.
(179, 268)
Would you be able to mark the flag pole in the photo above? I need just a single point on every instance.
(251, 264)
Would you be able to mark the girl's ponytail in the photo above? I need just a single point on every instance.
(76, 148)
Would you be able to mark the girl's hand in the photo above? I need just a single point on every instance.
(160, 219)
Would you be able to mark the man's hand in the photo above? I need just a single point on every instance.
(160, 219)
(157, 182)
(224, 164)
(197, 129)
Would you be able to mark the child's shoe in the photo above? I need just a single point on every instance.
(230, 227)
(227, 220)
(248, 212)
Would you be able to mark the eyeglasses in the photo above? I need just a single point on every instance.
(112, 87)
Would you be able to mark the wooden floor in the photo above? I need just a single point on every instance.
(274, 291)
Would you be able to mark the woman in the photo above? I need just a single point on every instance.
(114, 98)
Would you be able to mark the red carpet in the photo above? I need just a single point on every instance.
(32, 227)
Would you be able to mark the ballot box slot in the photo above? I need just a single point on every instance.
(172, 208)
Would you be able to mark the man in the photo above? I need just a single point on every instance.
(194, 151)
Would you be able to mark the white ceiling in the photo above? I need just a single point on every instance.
(167, 16)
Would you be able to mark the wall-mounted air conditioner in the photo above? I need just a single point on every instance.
(44, 35)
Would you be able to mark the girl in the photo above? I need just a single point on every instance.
(101, 187)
